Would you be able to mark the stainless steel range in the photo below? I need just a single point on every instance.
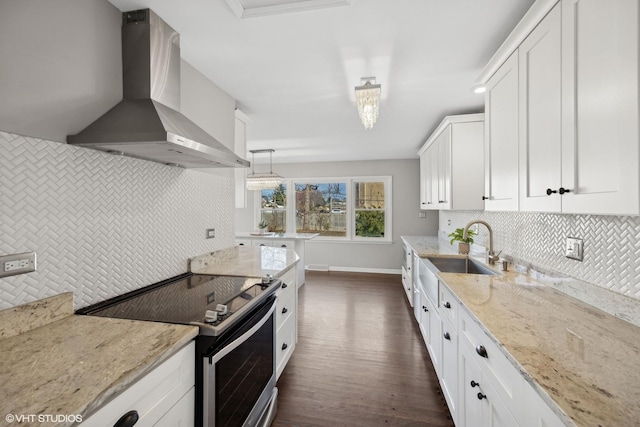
(235, 351)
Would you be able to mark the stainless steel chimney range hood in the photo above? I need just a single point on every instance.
(147, 124)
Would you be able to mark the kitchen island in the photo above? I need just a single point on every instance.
(295, 241)
(581, 361)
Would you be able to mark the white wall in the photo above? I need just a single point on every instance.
(101, 225)
(361, 256)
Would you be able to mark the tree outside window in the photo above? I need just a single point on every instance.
(369, 209)
(321, 208)
(273, 209)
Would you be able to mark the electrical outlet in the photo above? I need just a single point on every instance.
(574, 248)
(211, 233)
(10, 265)
(422, 214)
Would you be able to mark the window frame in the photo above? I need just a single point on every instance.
(350, 182)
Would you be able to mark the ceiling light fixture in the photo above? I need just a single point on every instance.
(368, 99)
(262, 181)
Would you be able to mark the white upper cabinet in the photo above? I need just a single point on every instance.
(562, 131)
(540, 116)
(501, 138)
(453, 159)
(600, 156)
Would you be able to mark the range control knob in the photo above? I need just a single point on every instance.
(210, 316)
(222, 309)
(267, 279)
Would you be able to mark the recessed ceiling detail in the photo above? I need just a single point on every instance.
(256, 8)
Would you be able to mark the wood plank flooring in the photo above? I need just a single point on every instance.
(360, 358)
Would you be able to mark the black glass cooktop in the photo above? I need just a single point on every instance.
(187, 299)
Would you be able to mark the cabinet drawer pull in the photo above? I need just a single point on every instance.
(425, 308)
(474, 384)
(550, 191)
(128, 420)
(284, 346)
(481, 396)
(284, 310)
(262, 244)
(447, 305)
(447, 336)
(283, 246)
(482, 351)
(284, 285)
(564, 190)
(485, 198)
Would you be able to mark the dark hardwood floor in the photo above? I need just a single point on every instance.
(360, 358)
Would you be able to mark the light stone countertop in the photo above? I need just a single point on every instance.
(74, 364)
(245, 261)
(584, 359)
(287, 236)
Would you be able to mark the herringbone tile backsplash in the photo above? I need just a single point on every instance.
(102, 225)
(611, 243)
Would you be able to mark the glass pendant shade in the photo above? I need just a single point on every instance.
(263, 181)
(367, 100)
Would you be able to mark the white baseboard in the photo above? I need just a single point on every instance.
(316, 267)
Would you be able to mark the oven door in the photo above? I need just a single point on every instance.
(239, 375)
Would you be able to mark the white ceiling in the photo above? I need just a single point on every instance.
(293, 74)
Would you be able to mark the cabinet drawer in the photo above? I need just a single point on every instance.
(261, 242)
(285, 343)
(154, 394)
(285, 308)
(505, 378)
(288, 278)
(448, 304)
(243, 242)
(288, 244)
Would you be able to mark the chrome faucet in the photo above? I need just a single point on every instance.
(492, 257)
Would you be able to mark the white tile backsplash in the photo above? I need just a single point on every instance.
(101, 224)
(611, 243)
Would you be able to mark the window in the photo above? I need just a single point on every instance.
(356, 209)
(369, 209)
(321, 208)
(273, 208)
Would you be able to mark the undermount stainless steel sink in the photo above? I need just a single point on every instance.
(459, 265)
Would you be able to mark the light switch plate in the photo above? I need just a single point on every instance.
(211, 233)
(574, 248)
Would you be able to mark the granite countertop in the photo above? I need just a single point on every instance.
(288, 236)
(251, 261)
(582, 358)
(58, 363)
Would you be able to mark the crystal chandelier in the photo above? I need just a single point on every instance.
(368, 99)
(262, 181)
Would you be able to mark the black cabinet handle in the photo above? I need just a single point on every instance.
(284, 310)
(482, 351)
(481, 396)
(474, 384)
(485, 198)
(262, 244)
(447, 336)
(127, 420)
(284, 286)
(447, 305)
(550, 191)
(425, 308)
(284, 346)
(441, 201)
(564, 190)
(240, 244)
(283, 246)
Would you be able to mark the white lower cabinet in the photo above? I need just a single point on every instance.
(449, 368)
(481, 386)
(163, 397)
(286, 320)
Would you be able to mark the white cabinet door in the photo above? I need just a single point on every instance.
(501, 138)
(424, 181)
(444, 169)
(449, 369)
(466, 167)
(434, 345)
(540, 116)
(469, 374)
(425, 318)
(600, 107)
(434, 175)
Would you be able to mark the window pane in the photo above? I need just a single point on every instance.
(369, 195)
(369, 223)
(273, 208)
(321, 208)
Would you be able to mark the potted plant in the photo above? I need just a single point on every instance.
(262, 225)
(463, 244)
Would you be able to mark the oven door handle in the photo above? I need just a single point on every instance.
(242, 338)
